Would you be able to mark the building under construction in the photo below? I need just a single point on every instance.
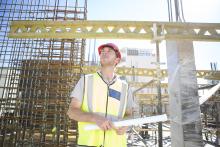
(37, 75)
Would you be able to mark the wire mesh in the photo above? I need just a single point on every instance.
(36, 75)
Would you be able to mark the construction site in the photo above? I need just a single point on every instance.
(44, 52)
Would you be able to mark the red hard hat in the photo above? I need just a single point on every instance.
(111, 45)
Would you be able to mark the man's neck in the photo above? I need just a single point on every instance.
(108, 73)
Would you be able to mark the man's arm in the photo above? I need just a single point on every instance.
(130, 104)
(74, 112)
(128, 113)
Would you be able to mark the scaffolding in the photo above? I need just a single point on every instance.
(37, 76)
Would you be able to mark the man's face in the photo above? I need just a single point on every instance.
(108, 57)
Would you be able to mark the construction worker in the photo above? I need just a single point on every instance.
(101, 98)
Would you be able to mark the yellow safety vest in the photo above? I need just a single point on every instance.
(106, 100)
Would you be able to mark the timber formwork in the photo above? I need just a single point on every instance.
(37, 75)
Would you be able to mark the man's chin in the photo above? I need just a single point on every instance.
(106, 65)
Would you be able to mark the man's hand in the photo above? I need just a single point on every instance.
(103, 122)
(121, 130)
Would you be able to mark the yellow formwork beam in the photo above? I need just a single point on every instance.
(116, 29)
(149, 95)
(128, 71)
(150, 98)
(140, 84)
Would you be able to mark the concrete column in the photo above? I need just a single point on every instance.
(186, 129)
(218, 126)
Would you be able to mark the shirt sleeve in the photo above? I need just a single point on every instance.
(130, 101)
(78, 90)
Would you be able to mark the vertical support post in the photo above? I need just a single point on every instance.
(159, 106)
(186, 129)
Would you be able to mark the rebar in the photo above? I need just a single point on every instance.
(37, 76)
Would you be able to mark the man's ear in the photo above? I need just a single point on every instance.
(117, 60)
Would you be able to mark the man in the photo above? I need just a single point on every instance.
(100, 99)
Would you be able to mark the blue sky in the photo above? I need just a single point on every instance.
(205, 11)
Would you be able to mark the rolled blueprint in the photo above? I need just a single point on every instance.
(131, 122)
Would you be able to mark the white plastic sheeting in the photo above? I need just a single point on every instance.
(209, 94)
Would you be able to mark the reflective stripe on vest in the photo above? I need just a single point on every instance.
(97, 92)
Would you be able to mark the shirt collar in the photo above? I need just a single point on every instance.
(106, 81)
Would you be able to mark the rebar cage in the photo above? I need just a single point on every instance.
(37, 76)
